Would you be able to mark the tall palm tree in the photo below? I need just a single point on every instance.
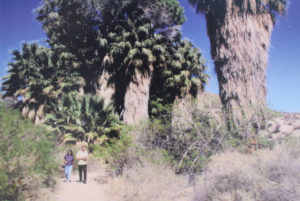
(184, 78)
(137, 37)
(239, 32)
(37, 78)
(27, 79)
(72, 29)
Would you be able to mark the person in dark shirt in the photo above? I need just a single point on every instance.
(69, 162)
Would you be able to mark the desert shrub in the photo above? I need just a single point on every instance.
(206, 133)
(117, 152)
(192, 146)
(26, 162)
(269, 175)
(130, 150)
(149, 182)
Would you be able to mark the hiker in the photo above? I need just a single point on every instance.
(69, 163)
(82, 156)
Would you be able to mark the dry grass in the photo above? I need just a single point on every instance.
(268, 175)
(149, 182)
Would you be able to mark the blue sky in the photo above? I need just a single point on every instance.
(18, 24)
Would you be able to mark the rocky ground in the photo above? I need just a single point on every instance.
(282, 126)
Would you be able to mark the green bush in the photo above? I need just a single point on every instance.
(83, 118)
(26, 161)
(191, 147)
(116, 151)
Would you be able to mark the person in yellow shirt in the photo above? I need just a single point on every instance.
(82, 156)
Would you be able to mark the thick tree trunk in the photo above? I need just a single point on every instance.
(182, 114)
(105, 89)
(39, 115)
(239, 47)
(36, 115)
(137, 97)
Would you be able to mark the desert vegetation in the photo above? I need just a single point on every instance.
(119, 76)
(121, 51)
(270, 174)
(149, 181)
(27, 166)
(165, 165)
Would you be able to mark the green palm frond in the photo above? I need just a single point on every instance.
(69, 138)
(85, 117)
(90, 136)
(47, 89)
(219, 8)
(72, 128)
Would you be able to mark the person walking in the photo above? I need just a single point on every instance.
(82, 156)
(69, 163)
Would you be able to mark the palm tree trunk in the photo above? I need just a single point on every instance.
(137, 97)
(239, 47)
(182, 117)
(105, 88)
(39, 114)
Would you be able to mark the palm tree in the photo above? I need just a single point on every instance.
(119, 44)
(83, 118)
(185, 72)
(137, 38)
(72, 29)
(37, 78)
(26, 79)
(184, 78)
(239, 32)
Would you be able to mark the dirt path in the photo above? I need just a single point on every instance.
(77, 191)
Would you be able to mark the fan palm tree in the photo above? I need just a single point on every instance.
(72, 29)
(99, 42)
(239, 32)
(27, 79)
(182, 78)
(137, 38)
(185, 72)
(37, 78)
(83, 118)
(136, 51)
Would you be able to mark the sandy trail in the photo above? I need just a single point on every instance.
(77, 191)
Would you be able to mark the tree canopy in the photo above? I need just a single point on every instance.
(87, 37)
(219, 7)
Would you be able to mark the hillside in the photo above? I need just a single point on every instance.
(283, 125)
(279, 125)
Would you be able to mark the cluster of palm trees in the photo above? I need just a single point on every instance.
(134, 41)
(138, 44)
